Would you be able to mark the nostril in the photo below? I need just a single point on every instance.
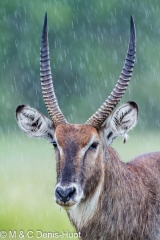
(60, 192)
(65, 194)
(71, 192)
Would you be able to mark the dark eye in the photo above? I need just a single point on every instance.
(54, 144)
(94, 145)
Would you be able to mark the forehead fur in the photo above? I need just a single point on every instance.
(75, 132)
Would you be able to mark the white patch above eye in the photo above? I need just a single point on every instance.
(120, 122)
(84, 149)
(33, 123)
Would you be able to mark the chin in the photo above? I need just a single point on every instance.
(68, 205)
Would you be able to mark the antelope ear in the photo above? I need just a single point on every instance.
(34, 123)
(120, 122)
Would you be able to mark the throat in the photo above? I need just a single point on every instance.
(86, 211)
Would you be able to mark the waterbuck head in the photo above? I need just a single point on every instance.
(79, 149)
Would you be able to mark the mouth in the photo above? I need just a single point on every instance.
(69, 205)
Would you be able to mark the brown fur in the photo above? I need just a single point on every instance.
(128, 207)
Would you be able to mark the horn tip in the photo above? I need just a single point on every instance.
(45, 22)
(45, 16)
(44, 35)
(132, 20)
(132, 26)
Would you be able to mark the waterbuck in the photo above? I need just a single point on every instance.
(104, 197)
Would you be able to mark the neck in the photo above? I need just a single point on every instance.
(85, 210)
(118, 205)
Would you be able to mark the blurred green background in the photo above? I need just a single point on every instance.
(88, 44)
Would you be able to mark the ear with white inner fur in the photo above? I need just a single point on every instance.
(34, 123)
(120, 122)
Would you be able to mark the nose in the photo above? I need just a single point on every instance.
(65, 194)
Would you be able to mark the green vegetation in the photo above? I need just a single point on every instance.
(88, 43)
(27, 179)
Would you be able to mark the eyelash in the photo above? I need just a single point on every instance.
(54, 144)
(93, 146)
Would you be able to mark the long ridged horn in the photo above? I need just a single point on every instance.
(108, 106)
(46, 79)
